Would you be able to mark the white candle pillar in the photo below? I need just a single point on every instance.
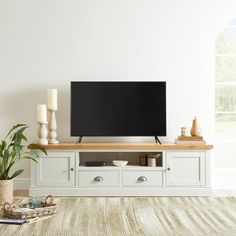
(52, 99)
(41, 113)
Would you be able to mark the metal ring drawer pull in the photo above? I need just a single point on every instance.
(98, 179)
(142, 179)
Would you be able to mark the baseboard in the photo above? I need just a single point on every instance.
(224, 184)
(21, 184)
(121, 192)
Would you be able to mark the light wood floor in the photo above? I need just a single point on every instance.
(150, 216)
(216, 193)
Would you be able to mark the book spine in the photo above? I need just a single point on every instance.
(190, 142)
(190, 138)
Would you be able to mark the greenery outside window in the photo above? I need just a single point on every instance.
(225, 106)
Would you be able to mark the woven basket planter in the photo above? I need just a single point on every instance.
(6, 191)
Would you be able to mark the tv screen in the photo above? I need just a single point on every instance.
(118, 108)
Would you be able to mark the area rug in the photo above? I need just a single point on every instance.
(135, 216)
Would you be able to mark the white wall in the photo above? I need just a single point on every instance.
(47, 43)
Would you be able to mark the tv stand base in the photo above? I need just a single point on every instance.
(182, 170)
(79, 139)
(157, 140)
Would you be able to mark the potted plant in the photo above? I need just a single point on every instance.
(12, 150)
(152, 157)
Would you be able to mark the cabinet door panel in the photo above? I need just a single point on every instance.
(185, 168)
(56, 169)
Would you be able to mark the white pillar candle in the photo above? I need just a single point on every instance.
(42, 113)
(52, 99)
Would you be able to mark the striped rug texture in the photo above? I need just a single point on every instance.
(135, 216)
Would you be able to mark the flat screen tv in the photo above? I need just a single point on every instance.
(118, 109)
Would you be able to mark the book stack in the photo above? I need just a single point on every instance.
(7, 220)
(190, 140)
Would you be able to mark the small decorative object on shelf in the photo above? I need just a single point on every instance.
(143, 159)
(42, 121)
(152, 161)
(183, 131)
(120, 163)
(95, 163)
(52, 108)
(195, 130)
(152, 158)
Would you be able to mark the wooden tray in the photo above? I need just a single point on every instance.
(48, 208)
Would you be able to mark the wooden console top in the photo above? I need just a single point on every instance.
(124, 146)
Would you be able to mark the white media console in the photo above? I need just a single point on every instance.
(181, 171)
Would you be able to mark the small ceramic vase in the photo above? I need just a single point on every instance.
(195, 130)
(152, 161)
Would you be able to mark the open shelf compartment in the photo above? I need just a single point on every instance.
(133, 159)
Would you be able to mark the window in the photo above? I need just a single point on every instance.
(225, 106)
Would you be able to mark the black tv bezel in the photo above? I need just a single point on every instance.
(154, 135)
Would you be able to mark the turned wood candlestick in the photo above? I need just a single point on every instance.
(43, 133)
(52, 127)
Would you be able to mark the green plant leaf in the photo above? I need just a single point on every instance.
(6, 155)
(9, 166)
(34, 146)
(31, 158)
(1, 171)
(15, 127)
(20, 131)
(18, 136)
(17, 151)
(24, 137)
(18, 172)
(4, 144)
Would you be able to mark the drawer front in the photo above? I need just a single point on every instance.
(142, 178)
(98, 178)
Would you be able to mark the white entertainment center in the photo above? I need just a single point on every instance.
(182, 170)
